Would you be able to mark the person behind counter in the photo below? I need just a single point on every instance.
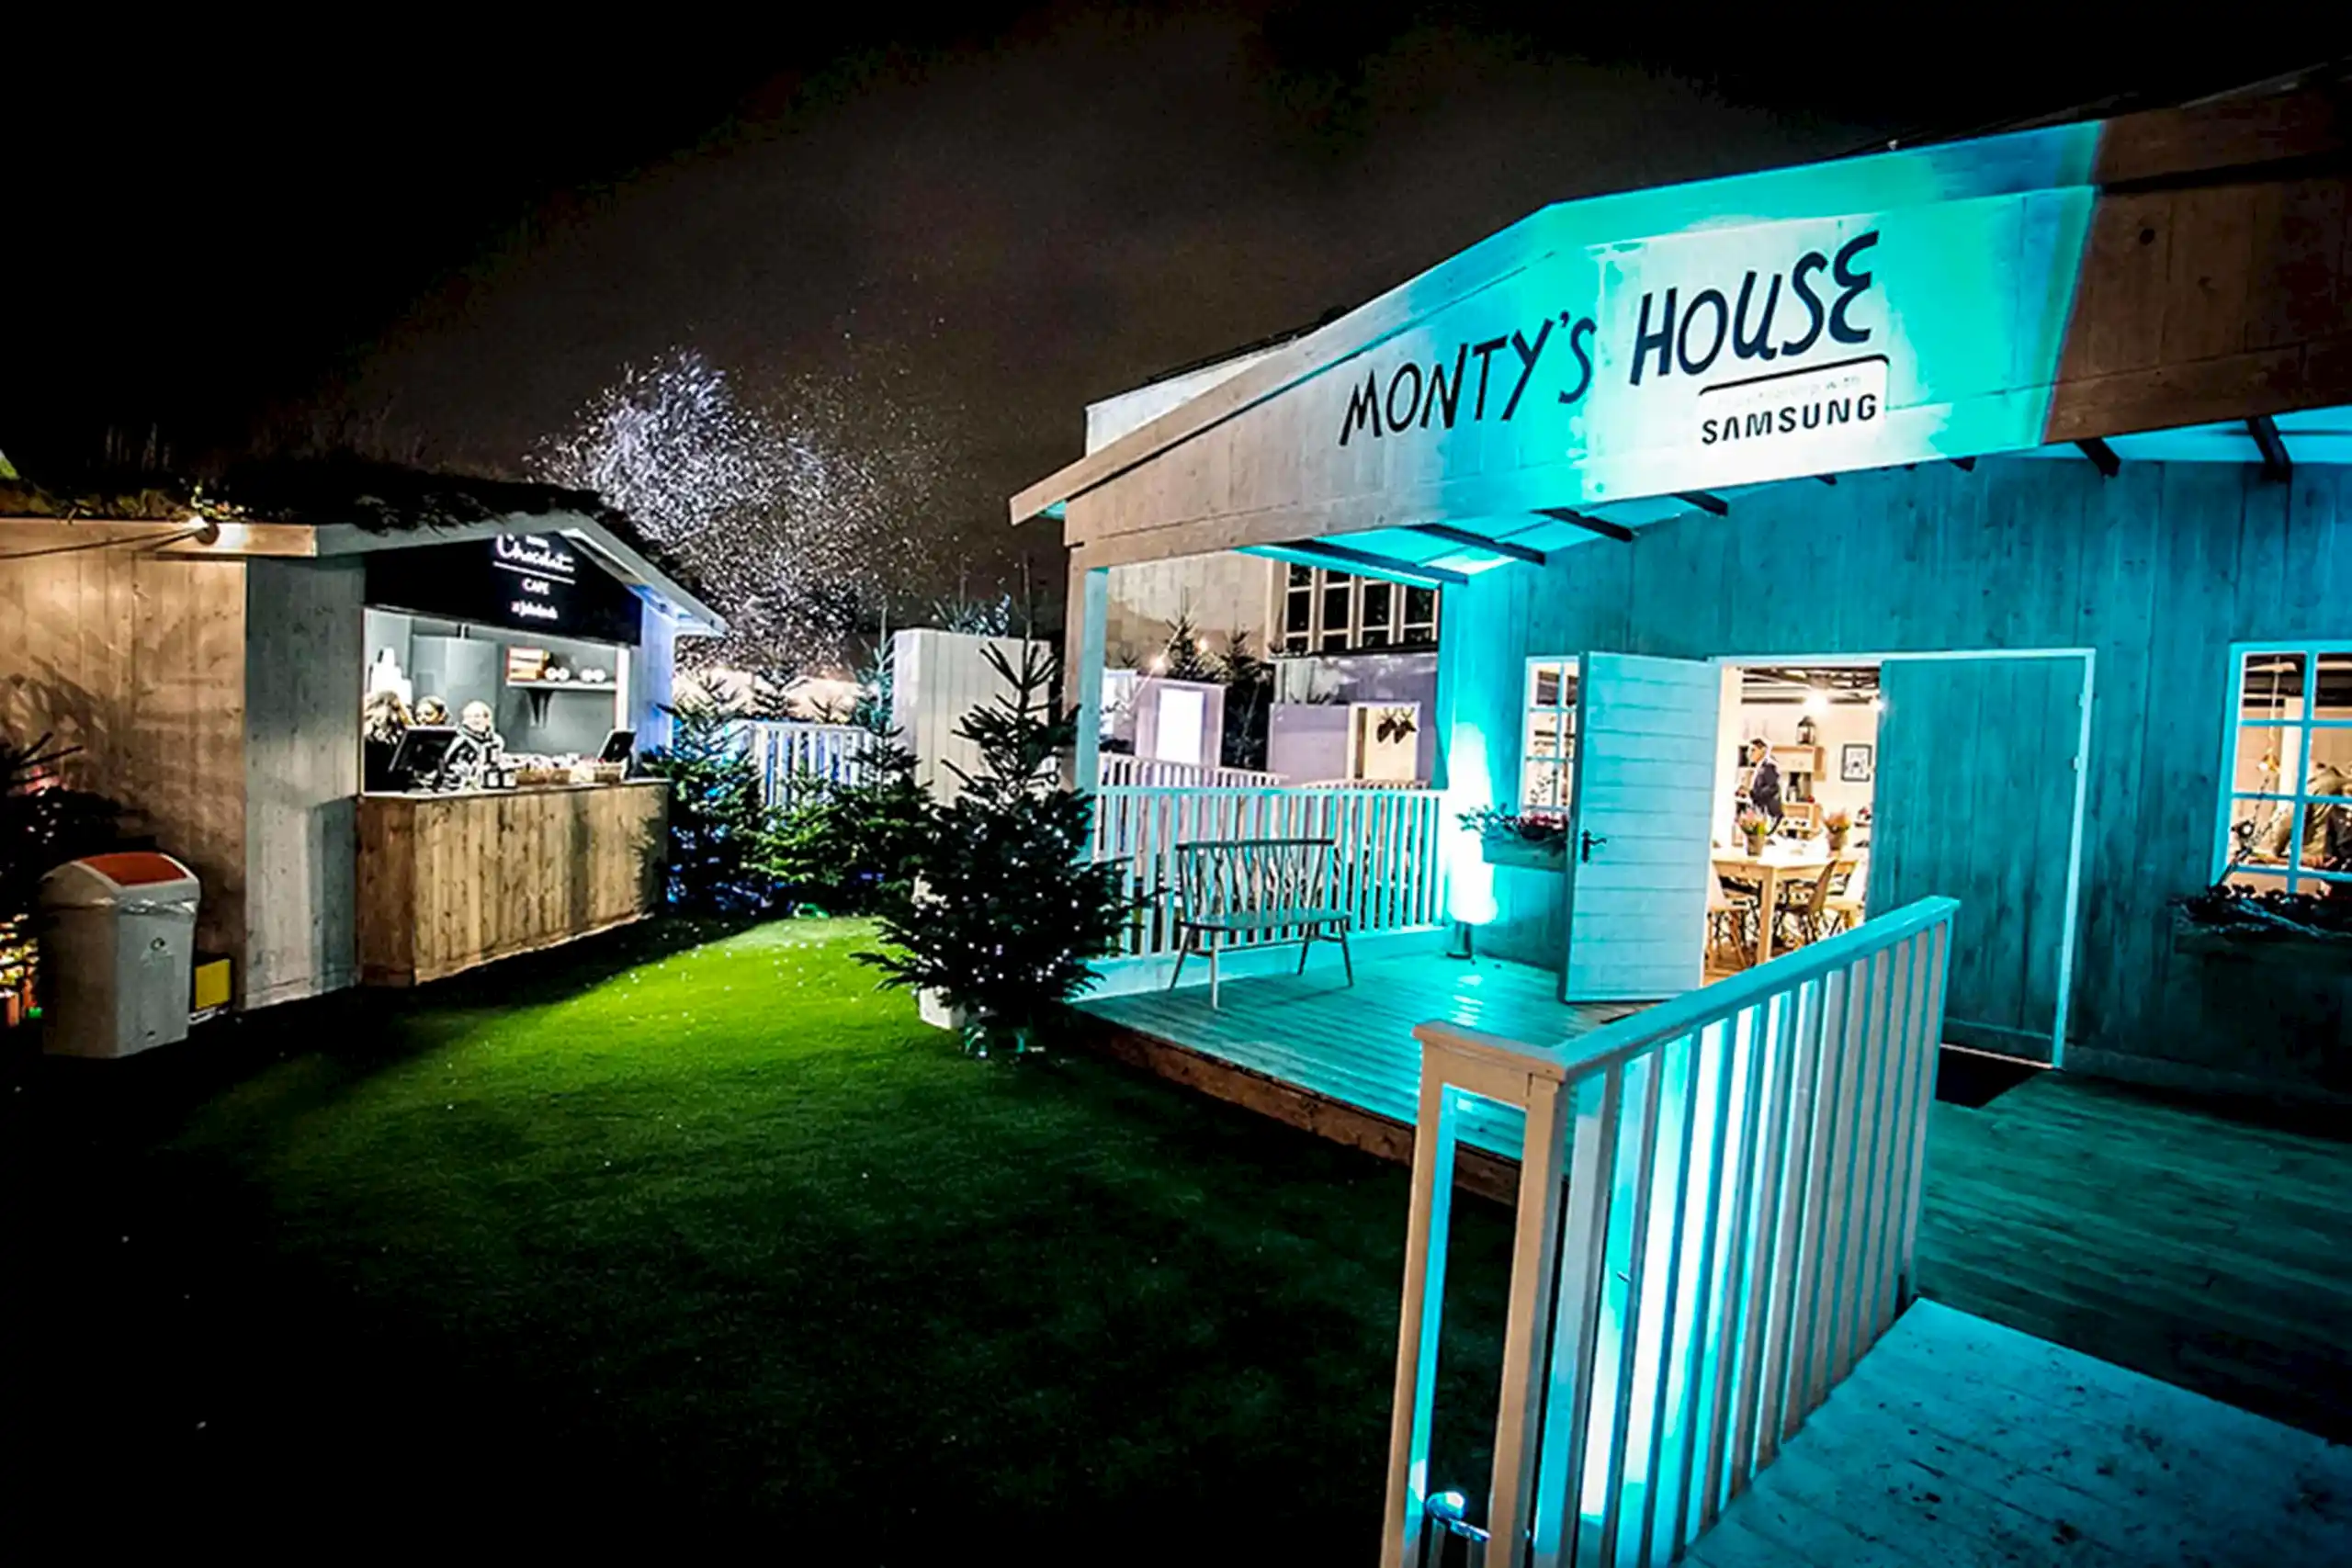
(1764, 783)
(480, 747)
(382, 722)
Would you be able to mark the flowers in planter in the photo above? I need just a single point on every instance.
(1753, 826)
(1838, 824)
(1537, 828)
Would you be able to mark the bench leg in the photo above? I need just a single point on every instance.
(1212, 947)
(1183, 953)
(1305, 945)
(1345, 958)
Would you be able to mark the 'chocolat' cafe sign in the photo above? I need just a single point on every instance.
(540, 582)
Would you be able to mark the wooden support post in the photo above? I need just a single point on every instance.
(1089, 612)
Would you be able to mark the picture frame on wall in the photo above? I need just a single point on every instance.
(1854, 762)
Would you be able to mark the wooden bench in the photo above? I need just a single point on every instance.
(1230, 891)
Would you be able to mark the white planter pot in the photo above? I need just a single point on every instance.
(933, 1008)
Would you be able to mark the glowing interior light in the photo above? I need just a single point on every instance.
(1817, 702)
(1469, 880)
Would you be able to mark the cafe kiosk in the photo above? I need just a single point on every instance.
(212, 665)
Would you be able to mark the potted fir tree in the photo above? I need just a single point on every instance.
(1009, 910)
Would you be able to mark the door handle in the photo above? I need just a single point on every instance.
(1586, 841)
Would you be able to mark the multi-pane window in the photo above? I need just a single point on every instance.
(1548, 751)
(1331, 612)
(2287, 818)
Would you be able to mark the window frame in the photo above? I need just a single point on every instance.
(1402, 633)
(2293, 875)
(1564, 709)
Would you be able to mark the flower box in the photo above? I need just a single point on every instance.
(1528, 854)
(2307, 952)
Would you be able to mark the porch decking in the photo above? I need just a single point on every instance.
(1351, 1048)
(1958, 1440)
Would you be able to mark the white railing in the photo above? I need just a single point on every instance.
(1120, 770)
(791, 755)
(1389, 866)
(1737, 1229)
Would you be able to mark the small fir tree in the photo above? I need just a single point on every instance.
(1249, 702)
(721, 831)
(854, 846)
(1186, 656)
(1011, 911)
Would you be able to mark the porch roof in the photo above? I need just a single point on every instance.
(1566, 378)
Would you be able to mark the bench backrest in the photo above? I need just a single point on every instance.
(1219, 877)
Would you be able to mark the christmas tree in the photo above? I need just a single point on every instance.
(719, 828)
(1010, 908)
(851, 846)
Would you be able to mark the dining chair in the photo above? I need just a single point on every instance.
(1844, 905)
(1804, 903)
(1731, 917)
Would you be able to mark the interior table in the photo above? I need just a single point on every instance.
(1768, 870)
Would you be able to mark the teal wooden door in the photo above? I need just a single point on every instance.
(1638, 869)
(1975, 799)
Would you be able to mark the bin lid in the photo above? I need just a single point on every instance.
(135, 868)
(96, 881)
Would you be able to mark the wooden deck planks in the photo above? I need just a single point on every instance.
(1354, 1044)
(2210, 1253)
(1958, 1440)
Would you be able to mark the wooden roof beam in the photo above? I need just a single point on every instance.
(1342, 558)
(1705, 502)
(2102, 456)
(1464, 536)
(2277, 466)
(1606, 529)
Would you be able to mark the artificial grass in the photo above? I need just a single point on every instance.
(671, 1231)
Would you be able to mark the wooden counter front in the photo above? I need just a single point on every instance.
(447, 882)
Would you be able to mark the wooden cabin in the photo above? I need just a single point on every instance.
(1994, 489)
(208, 663)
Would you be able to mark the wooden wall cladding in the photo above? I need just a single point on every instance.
(2209, 302)
(448, 883)
(138, 662)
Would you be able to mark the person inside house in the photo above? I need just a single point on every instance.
(1764, 781)
(2327, 834)
(431, 711)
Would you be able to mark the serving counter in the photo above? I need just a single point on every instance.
(450, 881)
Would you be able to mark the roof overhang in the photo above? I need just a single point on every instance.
(1997, 296)
(649, 582)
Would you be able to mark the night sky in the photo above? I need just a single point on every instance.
(941, 244)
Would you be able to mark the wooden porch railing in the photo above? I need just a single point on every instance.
(1389, 872)
(791, 755)
(1735, 1231)
(1123, 770)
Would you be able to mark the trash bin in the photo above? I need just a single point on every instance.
(121, 941)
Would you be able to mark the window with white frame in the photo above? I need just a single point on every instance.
(1548, 747)
(1332, 612)
(2286, 788)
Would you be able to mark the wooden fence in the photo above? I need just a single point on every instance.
(1120, 770)
(1390, 869)
(1736, 1231)
(792, 756)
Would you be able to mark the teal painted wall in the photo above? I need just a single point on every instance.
(2158, 569)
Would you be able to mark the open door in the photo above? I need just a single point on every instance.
(1638, 861)
(1977, 798)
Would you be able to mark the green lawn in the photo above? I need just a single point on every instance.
(660, 1231)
